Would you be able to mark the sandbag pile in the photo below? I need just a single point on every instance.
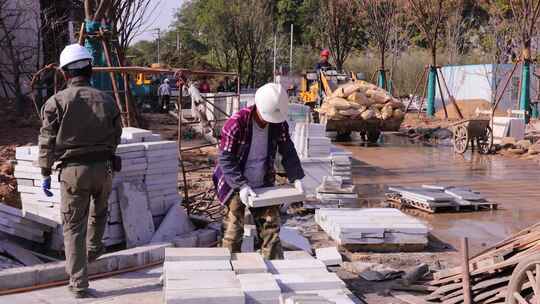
(361, 100)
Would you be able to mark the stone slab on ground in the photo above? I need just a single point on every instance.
(259, 287)
(248, 262)
(136, 215)
(19, 253)
(176, 222)
(297, 255)
(189, 280)
(186, 240)
(202, 296)
(293, 282)
(291, 238)
(172, 267)
(330, 256)
(197, 254)
(288, 266)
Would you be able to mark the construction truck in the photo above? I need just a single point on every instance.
(345, 104)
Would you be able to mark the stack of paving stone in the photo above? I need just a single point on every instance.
(342, 167)
(371, 226)
(212, 275)
(28, 226)
(146, 161)
(334, 190)
(310, 140)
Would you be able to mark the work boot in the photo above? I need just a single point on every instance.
(93, 255)
(79, 294)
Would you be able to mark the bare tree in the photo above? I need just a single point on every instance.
(19, 47)
(525, 14)
(455, 28)
(339, 28)
(381, 15)
(130, 19)
(429, 16)
(258, 23)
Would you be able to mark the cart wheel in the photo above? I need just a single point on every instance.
(373, 136)
(524, 285)
(485, 143)
(461, 139)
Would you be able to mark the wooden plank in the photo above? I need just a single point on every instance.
(20, 254)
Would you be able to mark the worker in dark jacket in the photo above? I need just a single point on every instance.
(247, 151)
(81, 128)
(323, 63)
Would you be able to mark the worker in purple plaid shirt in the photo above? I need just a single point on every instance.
(247, 151)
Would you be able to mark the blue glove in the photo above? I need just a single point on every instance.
(46, 185)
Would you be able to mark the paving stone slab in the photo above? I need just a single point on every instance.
(248, 262)
(202, 296)
(176, 222)
(291, 266)
(197, 254)
(190, 280)
(268, 196)
(259, 287)
(292, 282)
(136, 215)
(291, 238)
(173, 267)
(330, 256)
(297, 255)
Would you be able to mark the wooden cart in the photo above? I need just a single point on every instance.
(473, 131)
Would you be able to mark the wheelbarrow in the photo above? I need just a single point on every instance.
(470, 131)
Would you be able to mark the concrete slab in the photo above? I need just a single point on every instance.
(186, 240)
(19, 253)
(190, 280)
(202, 296)
(292, 239)
(176, 222)
(259, 287)
(249, 262)
(197, 254)
(269, 196)
(294, 266)
(297, 255)
(136, 215)
(330, 256)
(174, 267)
(293, 282)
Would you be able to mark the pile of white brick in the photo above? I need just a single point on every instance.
(371, 226)
(213, 275)
(338, 187)
(147, 161)
(310, 140)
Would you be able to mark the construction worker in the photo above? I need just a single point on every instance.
(81, 128)
(204, 86)
(249, 142)
(164, 95)
(323, 63)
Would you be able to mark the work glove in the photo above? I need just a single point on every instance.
(245, 193)
(46, 185)
(298, 185)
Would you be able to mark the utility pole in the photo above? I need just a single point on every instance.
(290, 52)
(275, 51)
(158, 43)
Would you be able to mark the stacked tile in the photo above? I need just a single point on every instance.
(310, 140)
(28, 226)
(203, 275)
(145, 160)
(161, 176)
(342, 167)
(200, 275)
(371, 226)
(334, 190)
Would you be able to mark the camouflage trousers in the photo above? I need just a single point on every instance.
(85, 192)
(267, 220)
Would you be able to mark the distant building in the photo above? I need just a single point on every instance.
(484, 82)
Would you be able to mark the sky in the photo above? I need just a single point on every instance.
(163, 16)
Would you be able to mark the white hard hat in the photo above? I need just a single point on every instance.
(74, 53)
(272, 102)
(166, 80)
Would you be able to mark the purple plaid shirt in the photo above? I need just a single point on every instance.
(234, 149)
